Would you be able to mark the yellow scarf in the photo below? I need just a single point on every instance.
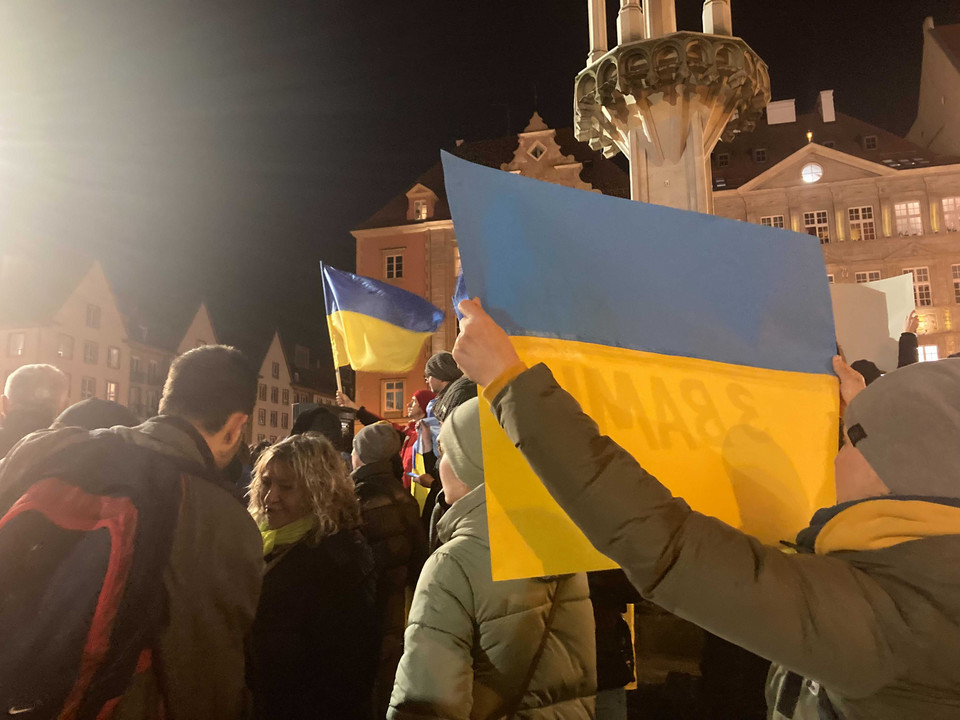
(286, 535)
(883, 523)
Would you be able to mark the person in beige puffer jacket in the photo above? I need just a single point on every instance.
(478, 649)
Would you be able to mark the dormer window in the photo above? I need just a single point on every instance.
(760, 155)
(420, 209)
(537, 151)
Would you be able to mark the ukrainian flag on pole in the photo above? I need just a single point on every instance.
(374, 326)
(702, 345)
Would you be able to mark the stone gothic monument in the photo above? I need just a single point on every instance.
(664, 98)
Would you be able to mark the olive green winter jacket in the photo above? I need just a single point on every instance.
(470, 641)
(869, 625)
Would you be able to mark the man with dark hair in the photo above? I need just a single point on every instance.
(32, 397)
(211, 581)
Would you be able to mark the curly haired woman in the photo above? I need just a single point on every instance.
(315, 640)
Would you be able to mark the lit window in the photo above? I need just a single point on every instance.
(17, 344)
(273, 418)
(274, 394)
(811, 172)
(419, 209)
(393, 266)
(261, 417)
(262, 392)
(908, 218)
(870, 142)
(284, 420)
(862, 226)
(956, 283)
(772, 221)
(869, 276)
(113, 391)
(285, 397)
(816, 223)
(93, 316)
(537, 151)
(113, 357)
(392, 400)
(91, 352)
(275, 370)
(951, 214)
(760, 155)
(65, 347)
(88, 387)
(723, 160)
(922, 296)
(928, 353)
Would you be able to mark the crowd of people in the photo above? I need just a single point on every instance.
(166, 569)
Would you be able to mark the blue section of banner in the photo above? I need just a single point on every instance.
(344, 291)
(556, 262)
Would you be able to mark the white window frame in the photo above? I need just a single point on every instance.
(951, 213)
(393, 264)
(93, 316)
(111, 391)
(88, 387)
(262, 417)
(817, 223)
(392, 396)
(955, 270)
(775, 221)
(91, 352)
(922, 293)
(420, 209)
(867, 276)
(928, 353)
(862, 223)
(113, 353)
(908, 218)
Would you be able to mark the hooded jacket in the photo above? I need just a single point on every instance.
(870, 621)
(470, 641)
(211, 583)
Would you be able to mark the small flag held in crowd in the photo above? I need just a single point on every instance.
(374, 326)
(702, 345)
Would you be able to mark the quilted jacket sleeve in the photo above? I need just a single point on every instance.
(817, 615)
(435, 676)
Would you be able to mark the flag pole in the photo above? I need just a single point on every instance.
(339, 381)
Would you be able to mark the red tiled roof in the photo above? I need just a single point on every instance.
(601, 173)
(847, 134)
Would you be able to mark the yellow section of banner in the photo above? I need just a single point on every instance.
(749, 446)
(369, 344)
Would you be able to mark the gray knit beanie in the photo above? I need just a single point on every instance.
(442, 366)
(907, 425)
(460, 443)
(377, 442)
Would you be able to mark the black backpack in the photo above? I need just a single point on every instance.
(82, 557)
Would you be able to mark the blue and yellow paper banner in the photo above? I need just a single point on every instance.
(701, 345)
(374, 326)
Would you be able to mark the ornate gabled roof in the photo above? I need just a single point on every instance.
(847, 135)
(603, 174)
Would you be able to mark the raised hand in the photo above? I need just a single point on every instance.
(483, 350)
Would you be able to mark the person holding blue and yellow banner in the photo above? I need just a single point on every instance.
(862, 621)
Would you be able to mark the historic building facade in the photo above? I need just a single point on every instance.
(411, 242)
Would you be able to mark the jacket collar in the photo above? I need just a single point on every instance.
(467, 516)
(881, 522)
(373, 470)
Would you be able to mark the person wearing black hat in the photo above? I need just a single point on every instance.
(94, 413)
(391, 523)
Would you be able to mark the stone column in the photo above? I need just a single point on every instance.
(630, 26)
(661, 18)
(717, 18)
(597, 21)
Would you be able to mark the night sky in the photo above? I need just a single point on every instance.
(220, 150)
